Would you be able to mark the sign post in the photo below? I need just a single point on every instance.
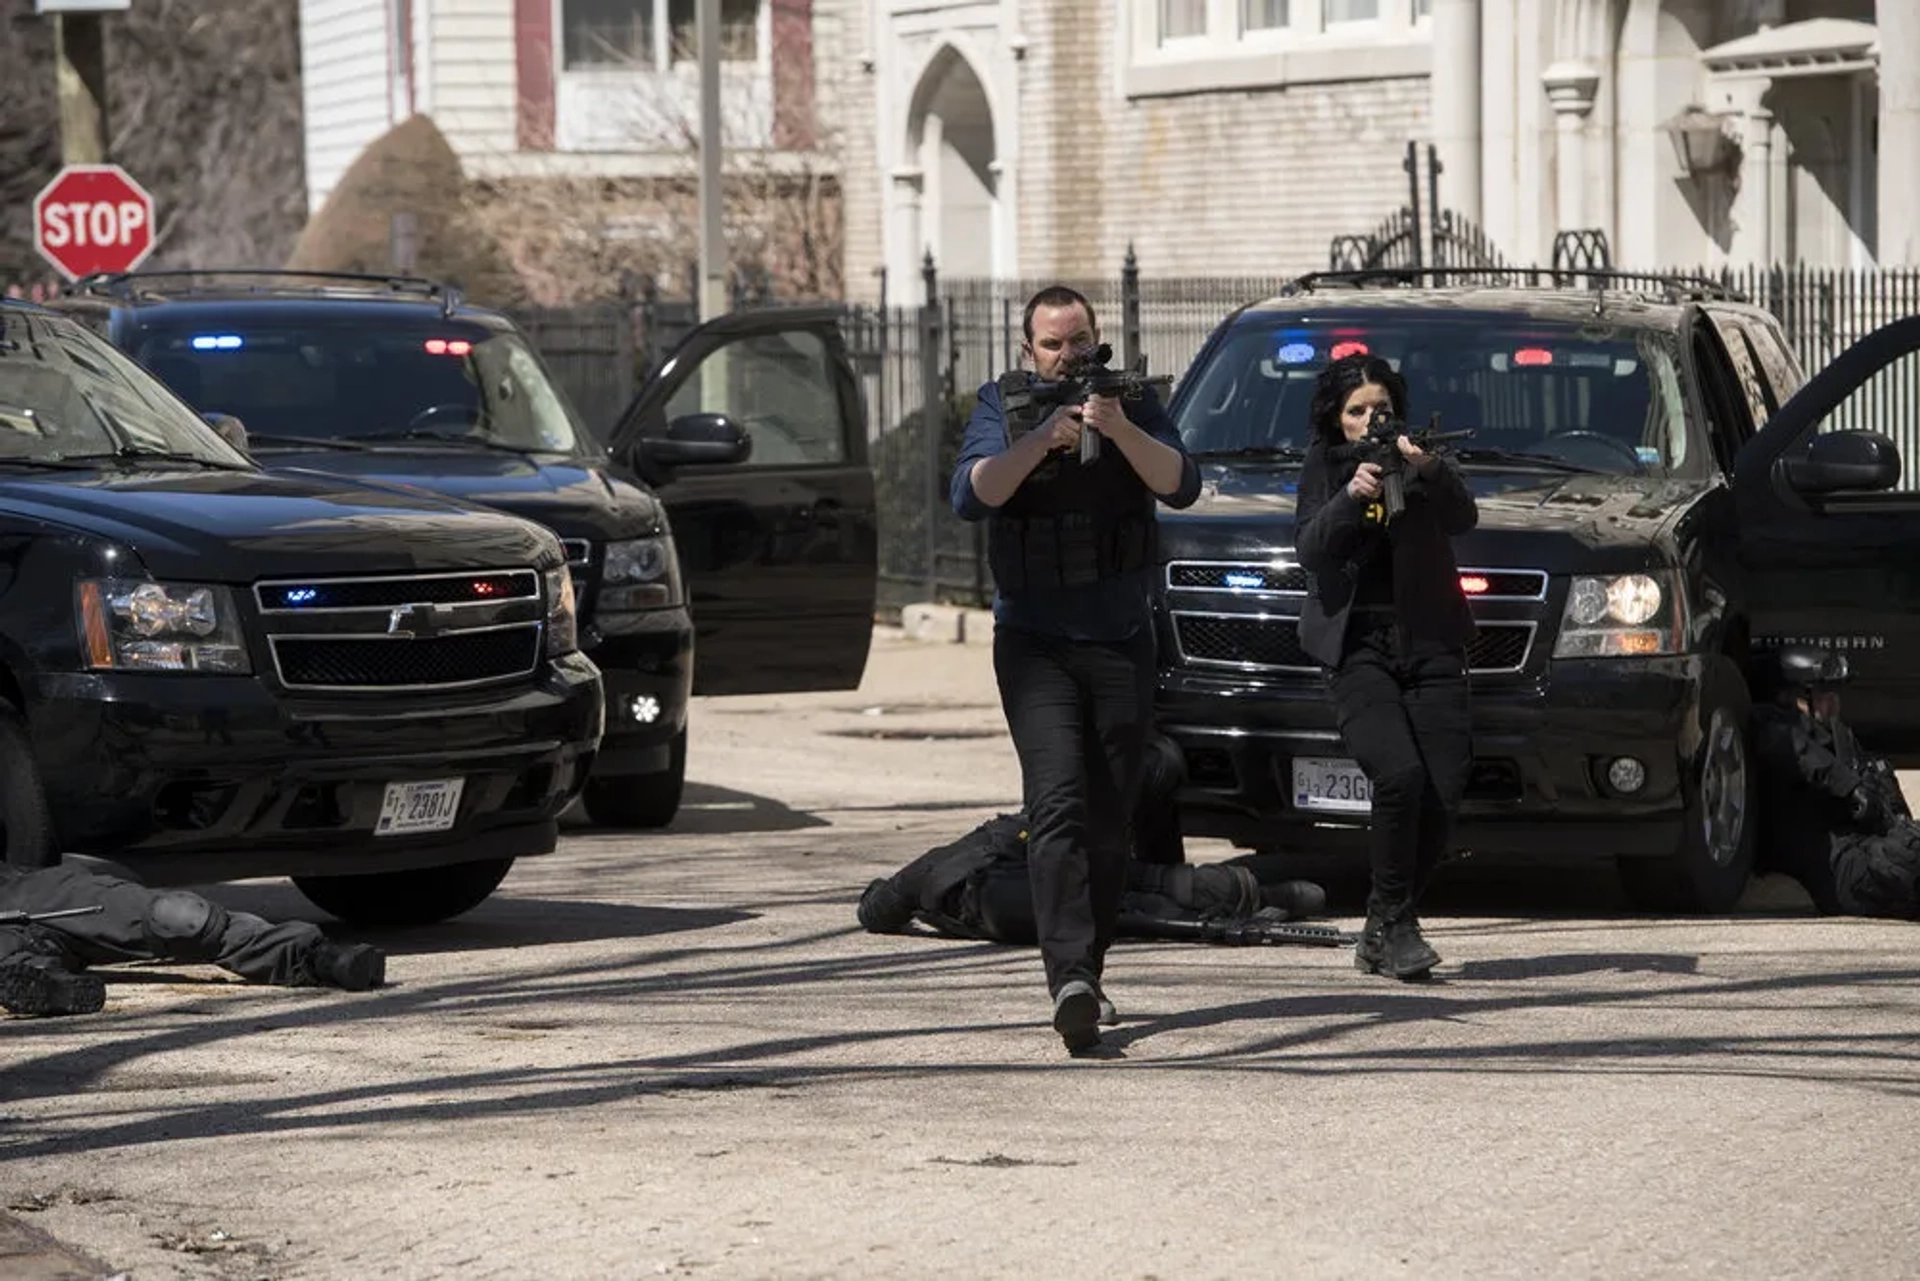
(93, 218)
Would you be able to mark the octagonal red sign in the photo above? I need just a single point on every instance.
(93, 218)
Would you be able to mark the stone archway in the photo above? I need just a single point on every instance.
(950, 139)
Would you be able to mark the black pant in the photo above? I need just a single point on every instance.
(1079, 713)
(142, 924)
(1404, 713)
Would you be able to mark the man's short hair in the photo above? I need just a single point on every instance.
(1056, 296)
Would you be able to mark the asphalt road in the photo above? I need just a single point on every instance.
(676, 1055)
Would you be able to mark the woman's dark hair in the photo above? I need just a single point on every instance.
(1337, 382)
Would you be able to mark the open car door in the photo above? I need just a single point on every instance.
(1829, 532)
(754, 435)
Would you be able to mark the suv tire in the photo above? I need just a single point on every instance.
(1709, 872)
(639, 800)
(418, 896)
(24, 819)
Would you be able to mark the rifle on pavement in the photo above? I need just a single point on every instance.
(1233, 931)
(34, 918)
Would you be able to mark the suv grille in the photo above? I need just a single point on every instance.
(1222, 576)
(422, 632)
(442, 662)
(1254, 642)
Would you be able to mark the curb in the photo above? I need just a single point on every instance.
(947, 624)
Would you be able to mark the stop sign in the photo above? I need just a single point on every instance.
(93, 218)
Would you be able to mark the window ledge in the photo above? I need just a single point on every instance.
(1328, 59)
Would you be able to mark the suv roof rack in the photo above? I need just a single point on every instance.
(1673, 288)
(127, 284)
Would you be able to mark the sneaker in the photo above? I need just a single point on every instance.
(1076, 1015)
(1408, 954)
(1109, 1017)
(36, 989)
(352, 967)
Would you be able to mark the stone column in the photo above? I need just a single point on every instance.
(907, 240)
(1570, 88)
(1753, 198)
(1898, 169)
(1455, 85)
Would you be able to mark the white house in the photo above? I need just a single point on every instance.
(1043, 137)
(577, 87)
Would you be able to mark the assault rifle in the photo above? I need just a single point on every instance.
(1381, 447)
(1086, 374)
(1233, 931)
(33, 918)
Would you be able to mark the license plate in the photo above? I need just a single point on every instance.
(1331, 785)
(420, 807)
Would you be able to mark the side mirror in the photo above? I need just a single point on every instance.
(229, 429)
(1840, 461)
(694, 439)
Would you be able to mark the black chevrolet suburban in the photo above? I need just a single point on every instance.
(210, 672)
(1662, 496)
(728, 514)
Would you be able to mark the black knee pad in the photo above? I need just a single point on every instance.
(178, 919)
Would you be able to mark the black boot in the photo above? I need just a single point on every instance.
(43, 987)
(1391, 944)
(352, 967)
(883, 909)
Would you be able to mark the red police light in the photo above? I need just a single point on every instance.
(448, 347)
(1533, 356)
(1341, 350)
(1474, 585)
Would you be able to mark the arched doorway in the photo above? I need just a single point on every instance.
(950, 135)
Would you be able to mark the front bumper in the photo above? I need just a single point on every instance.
(1538, 788)
(646, 665)
(189, 778)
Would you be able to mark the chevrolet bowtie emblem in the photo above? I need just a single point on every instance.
(417, 621)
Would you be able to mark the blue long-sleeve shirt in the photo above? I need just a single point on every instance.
(1112, 609)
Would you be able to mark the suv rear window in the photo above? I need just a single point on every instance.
(354, 382)
(1600, 397)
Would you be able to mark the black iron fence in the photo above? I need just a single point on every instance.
(911, 357)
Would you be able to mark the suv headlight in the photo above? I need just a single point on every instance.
(563, 617)
(138, 625)
(1620, 616)
(639, 573)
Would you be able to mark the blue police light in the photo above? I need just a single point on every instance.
(1234, 579)
(302, 595)
(217, 342)
(1296, 353)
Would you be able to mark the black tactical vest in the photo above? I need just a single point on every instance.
(1069, 524)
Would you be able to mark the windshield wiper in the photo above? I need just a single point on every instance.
(49, 464)
(1252, 451)
(1492, 454)
(303, 442)
(448, 438)
(126, 454)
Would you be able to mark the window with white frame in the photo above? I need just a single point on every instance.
(1264, 15)
(650, 34)
(1182, 19)
(1339, 11)
(1200, 46)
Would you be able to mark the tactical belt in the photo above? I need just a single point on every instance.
(1044, 553)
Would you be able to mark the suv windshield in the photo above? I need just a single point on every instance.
(1595, 397)
(67, 394)
(351, 383)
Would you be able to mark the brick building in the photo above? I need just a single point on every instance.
(1017, 138)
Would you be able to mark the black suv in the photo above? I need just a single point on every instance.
(1657, 505)
(736, 483)
(208, 671)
